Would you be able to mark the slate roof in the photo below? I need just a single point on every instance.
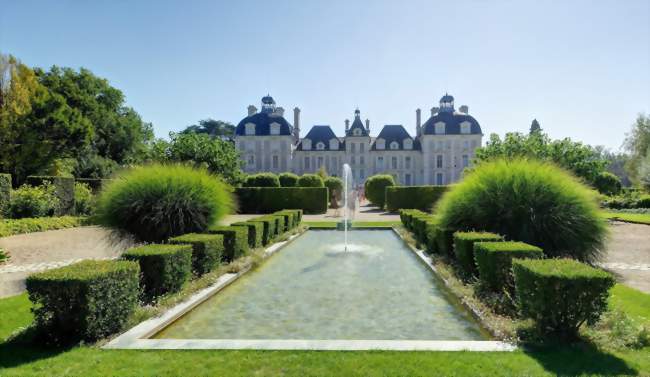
(357, 123)
(452, 122)
(321, 134)
(394, 132)
(262, 121)
(447, 98)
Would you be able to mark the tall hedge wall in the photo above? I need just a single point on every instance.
(63, 189)
(272, 199)
(5, 193)
(413, 197)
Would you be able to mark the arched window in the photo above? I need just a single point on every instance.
(394, 145)
(408, 143)
(465, 128)
(250, 128)
(275, 128)
(334, 144)
(440, 128)
(320, 146)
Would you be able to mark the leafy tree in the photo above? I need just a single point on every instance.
(607, 183)
(637, 143)
(535, 127)
(219, 156)
(583, 160)
(211, 128)
(644, 172)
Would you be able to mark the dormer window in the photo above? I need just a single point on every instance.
(394, 145)
(320, 146)
(275, 128)
(334, 144)
(440, 128)
(250, 128)
(408, 144)
(381, 144)
(306, 144)
(356, 132)
(465, 128)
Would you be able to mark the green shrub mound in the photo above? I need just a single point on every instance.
(269, 199)
(310, 180)
(63, 192)
(529, 201)
(375, 188)
(607, 183)
(419, 226)
(83, 199)
(33, 201)
(561, 294)
(207, 250)
(262, 180)
(406, 215)
(87, 301)
(268, 228)
(39, 224)
(255, 232)
(165, 268)
(413, 197)
(464, 248)
(5, 194)
(288, 180)
(158, 202)
(334, 187)
(235, 240)
(494, 261)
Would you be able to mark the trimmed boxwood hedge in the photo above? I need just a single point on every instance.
(165, 268)
(262, 180)
(292, 218)
(561, 294)
(406, 215)
(235, 240)
(270, 199)
(417, 197)
(494, 261)
(207, 250)
(310, 180)
(464, 248)
(88, 300)
(268, 230)
(419, 226)
(5, 193)
(288, 180)
(375, 188)
(279, 224)
(287, 219)
(255, 232)
(63, 190)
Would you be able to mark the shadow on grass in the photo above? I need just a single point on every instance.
(25, 348)
(579, 359)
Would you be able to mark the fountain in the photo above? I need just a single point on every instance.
(347, 182)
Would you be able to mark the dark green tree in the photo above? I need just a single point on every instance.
(637, 144)
(535, 127)
(211, 128)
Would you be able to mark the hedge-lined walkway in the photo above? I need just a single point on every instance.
(40, 251)
(628, 254)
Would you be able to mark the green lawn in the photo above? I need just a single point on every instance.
(581, 359)
(639, 218)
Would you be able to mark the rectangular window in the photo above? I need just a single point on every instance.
(251, 160)
(407, 179)
(465, 160)
(361, 147)
(439, 179)
(466, 144)
(320, 162)
(307, 163)
(354, 159)
(380, 163)
(439, 161)
(276, 162)
(353, 147)
(362, 174)
(361, 159)
(393, 162)
(407, 162)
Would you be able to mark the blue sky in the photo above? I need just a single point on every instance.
(582, 68)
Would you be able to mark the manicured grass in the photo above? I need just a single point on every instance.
(638, 218)
(10, 227)
(631, 301)
(581, 359)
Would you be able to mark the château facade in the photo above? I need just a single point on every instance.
(442, 147)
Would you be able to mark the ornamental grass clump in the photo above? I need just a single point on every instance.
(529, 201)
(157, 202)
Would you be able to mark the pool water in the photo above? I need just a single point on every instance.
(314, 289)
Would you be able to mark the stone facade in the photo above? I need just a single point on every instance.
(442, 147)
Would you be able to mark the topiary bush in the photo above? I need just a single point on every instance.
(83, 199)
(310, 180)
(165, 268)
(607, 183)
(494, 262)
(418, 197)
(288, 219)
(270, 199)
(334, 187)
(255, 232)
(561, 294)
(464, 248)
(235, 240)
(87, 301)
(288, 180)
(375, 188)
(262, 180)
(157, 202)
(268, 230)
(207, 250)
(33, 201)
(530, 201)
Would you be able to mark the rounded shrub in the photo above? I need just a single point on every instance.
(334, 186)
(262, 180)
(607, 183)
(528, 201)
(83, 199)
(156, 202)
(375, 187)
(288, 180)
(33, 201)
(310, 180)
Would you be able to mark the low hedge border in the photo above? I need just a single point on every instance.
(88, 300)
(287, 219)
(255, 232)
(279, 224)
(165, 268)
(416, 197)
(268, 228)
(271, 199)
(464, 248)
(561, 294)
(494, 261)
(207, 250)
(10, 227)
(235, 240)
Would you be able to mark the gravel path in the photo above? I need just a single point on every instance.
(628, 254)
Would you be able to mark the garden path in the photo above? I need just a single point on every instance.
(628, 254)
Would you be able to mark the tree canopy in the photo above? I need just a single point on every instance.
(637, 144)
(211, 127)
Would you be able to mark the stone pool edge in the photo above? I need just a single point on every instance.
(138, 336)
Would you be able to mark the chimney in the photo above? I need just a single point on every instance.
(418, 122)
(280, 111)
(368, 125)
(434, 110)
(347, 125)
(296, 124)
(464, 109)
(251, 110)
